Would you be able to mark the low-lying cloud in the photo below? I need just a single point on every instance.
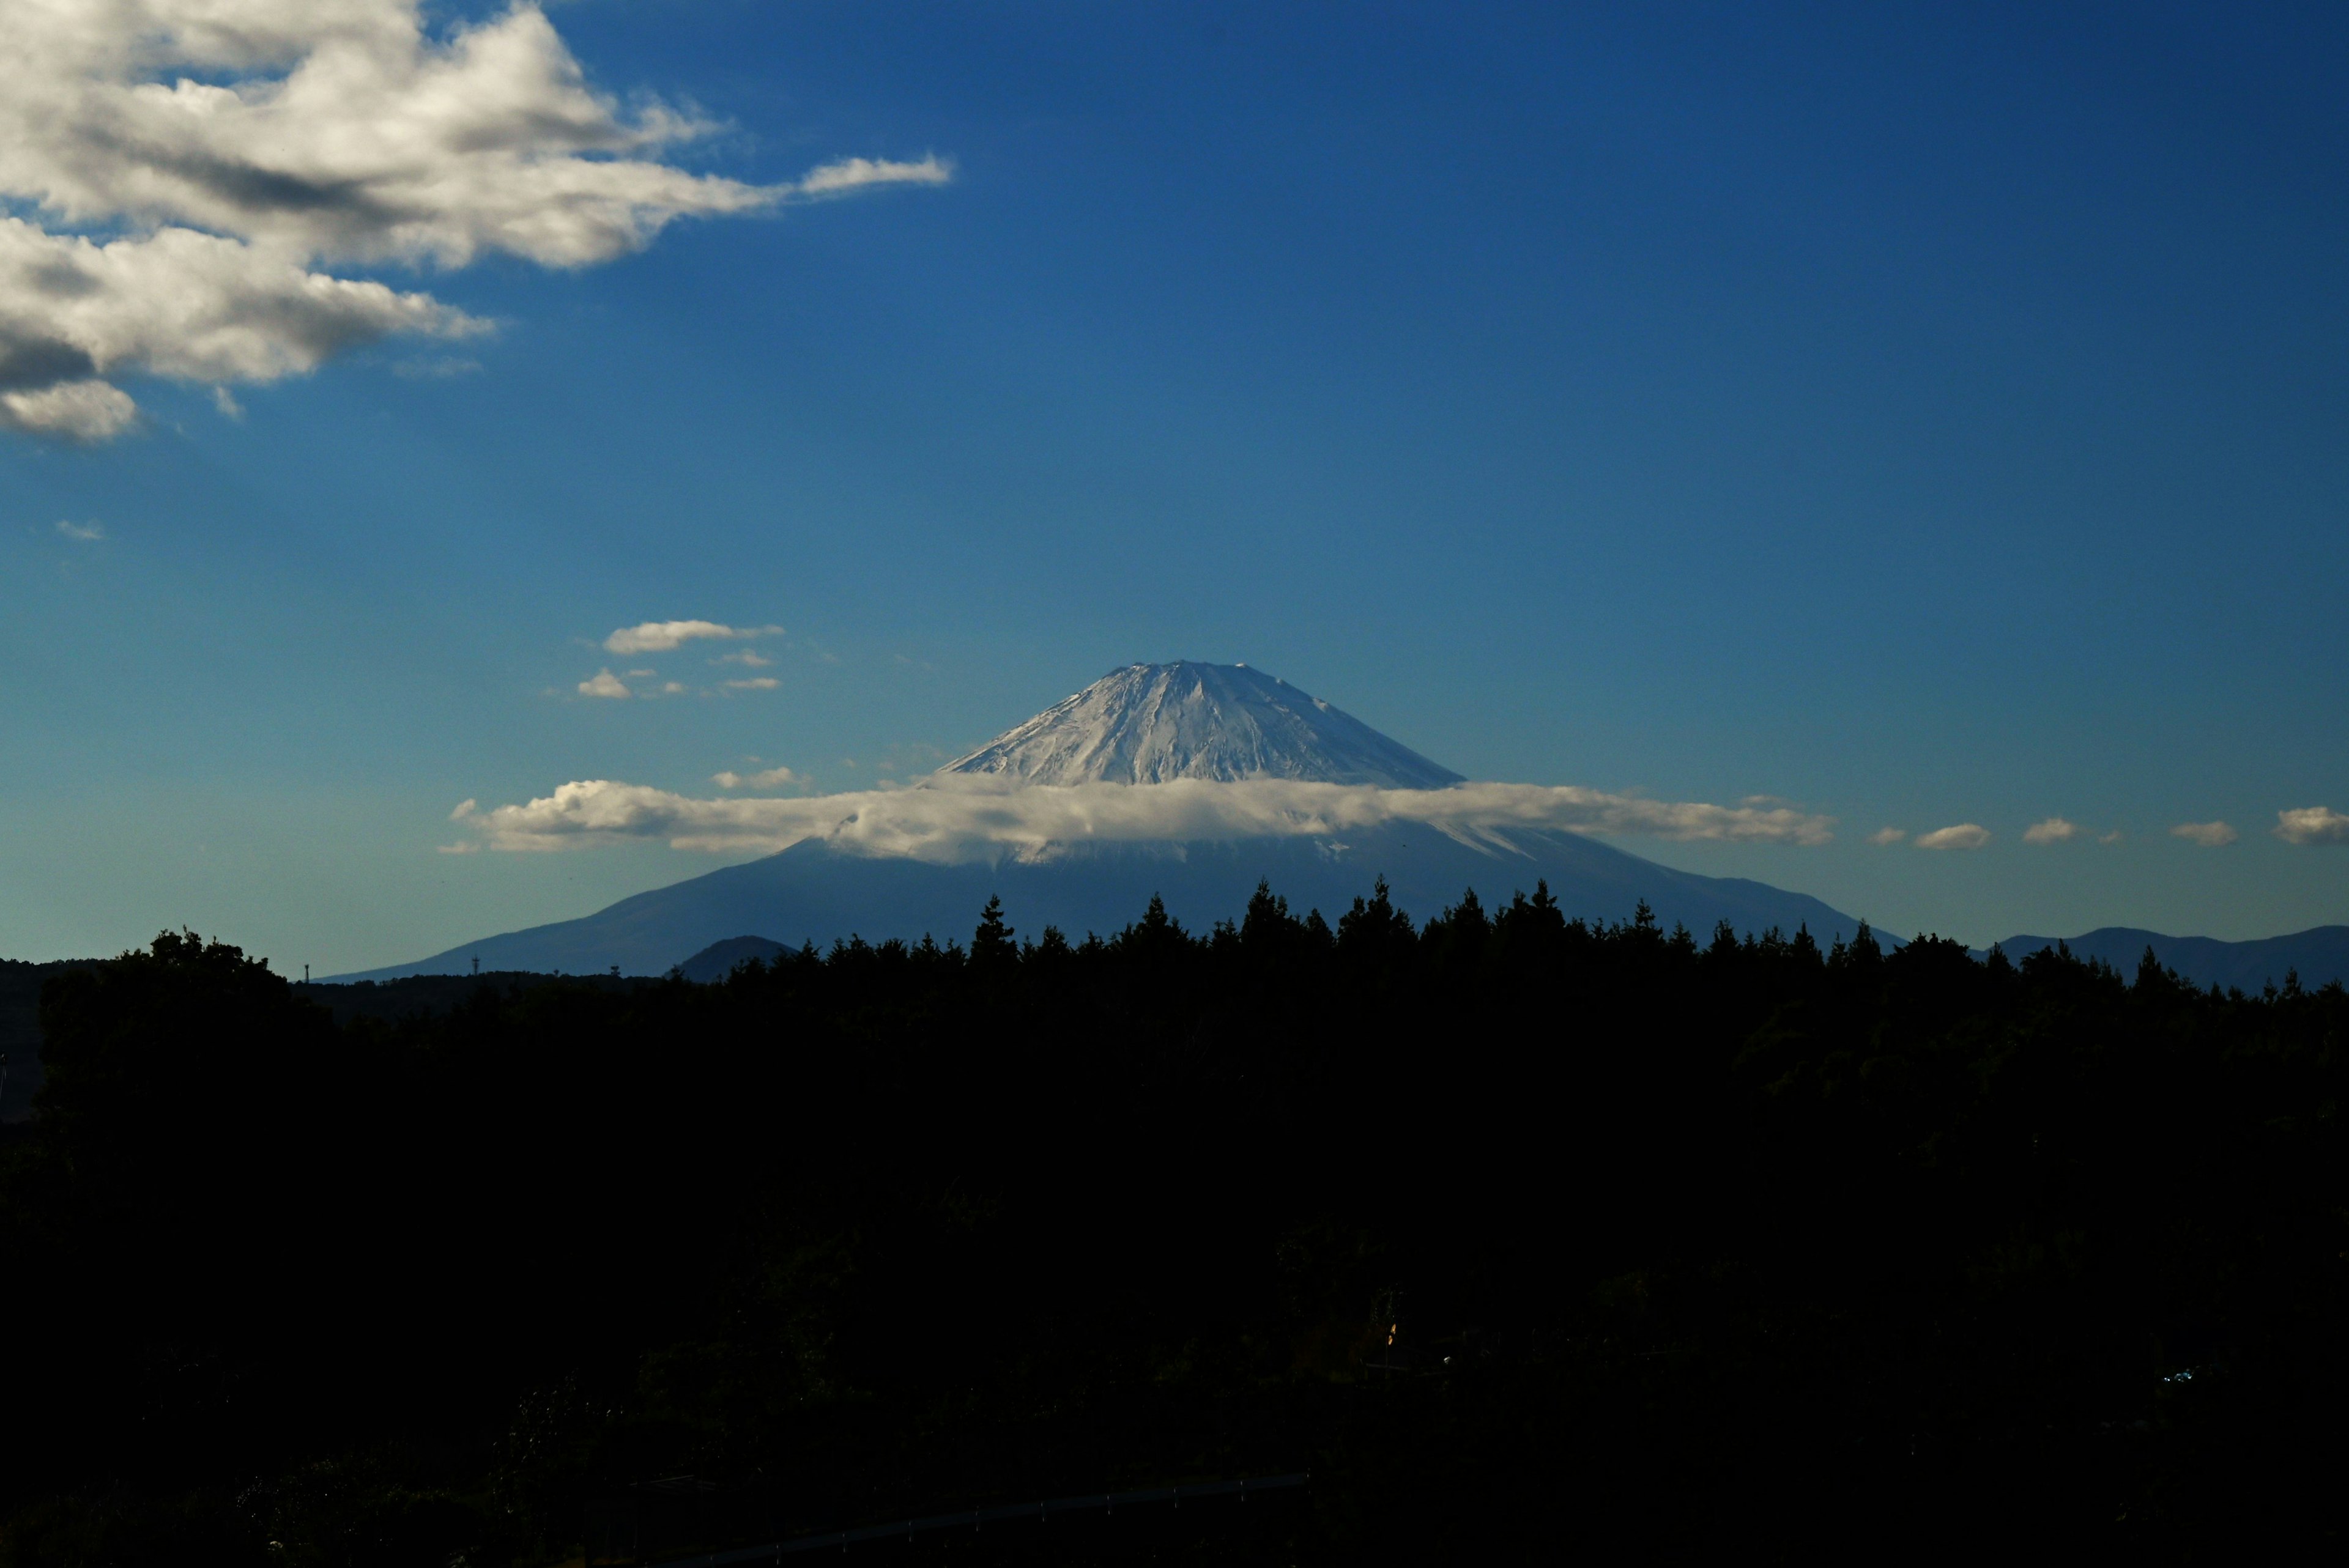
(2313, 825)
(2051, 830)
(2209, 835)
(966, 819)
(184, 172)
(1961, 836)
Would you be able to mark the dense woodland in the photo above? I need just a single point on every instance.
(1517, 1234)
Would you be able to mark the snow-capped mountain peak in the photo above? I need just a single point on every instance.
(1148, 724)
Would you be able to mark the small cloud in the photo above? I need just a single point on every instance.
(2114, 837)
(464, 809)
(444, 367)
(604, 683)
(1961, 836)
(461, 849)
(73, 411)
(2209, 835)
(226, 401)
(2313, 825)
(848, 175)
(2053, 830)
(749, 658)
(765, 778)
(660, 637)
(1887, 835)
(755, 683)
(640, 675)
(672, 688)
(82, 532)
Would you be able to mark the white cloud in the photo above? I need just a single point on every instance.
(2209, 835)
(226, 401)
(1961, 836)
(2114, 837)
(765, 778)
(464, 809)
(749, 658)
(2313, 825)
(75, 410)
(958, 817)
(661, 636)
(604, 683)
(221, 151)
(82, 532)
(755, 683)
(852, 174)
(1888, 836)
(2053, 830)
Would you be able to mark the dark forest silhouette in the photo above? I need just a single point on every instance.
(1509, 1229)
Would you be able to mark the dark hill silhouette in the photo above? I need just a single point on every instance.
(2318, 955)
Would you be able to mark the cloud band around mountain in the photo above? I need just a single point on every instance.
(958, 819)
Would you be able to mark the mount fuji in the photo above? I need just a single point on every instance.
(1150, 724)
(1141, 725)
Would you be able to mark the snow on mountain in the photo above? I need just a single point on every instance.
(1148, 724)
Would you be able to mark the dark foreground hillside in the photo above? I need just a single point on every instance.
(1518, 1237)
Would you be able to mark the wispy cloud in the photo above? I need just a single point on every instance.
(755, 683)
(765, 778)
(2209, 835)
(959, 818)
(661, 636)
(749, 658)
(1888, 836)
(2313, 825)
(188, 172)
(82, 532)
(435, 368)
(1961, 836)
(2051, 830)
(604, 683)
(849, 175)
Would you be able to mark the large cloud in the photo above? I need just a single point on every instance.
(954, 819)
(223, 150)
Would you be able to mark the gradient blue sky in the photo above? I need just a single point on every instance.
(1924, 415)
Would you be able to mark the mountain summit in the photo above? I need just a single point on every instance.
(1148, 724)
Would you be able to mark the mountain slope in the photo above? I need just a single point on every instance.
(1147, 724)
(816, 893)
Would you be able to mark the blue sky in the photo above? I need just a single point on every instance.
(1925, 419)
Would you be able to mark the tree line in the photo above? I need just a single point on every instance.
(1509, 1227)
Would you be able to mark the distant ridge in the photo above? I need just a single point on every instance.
(2318, 955)
(1150, 724)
